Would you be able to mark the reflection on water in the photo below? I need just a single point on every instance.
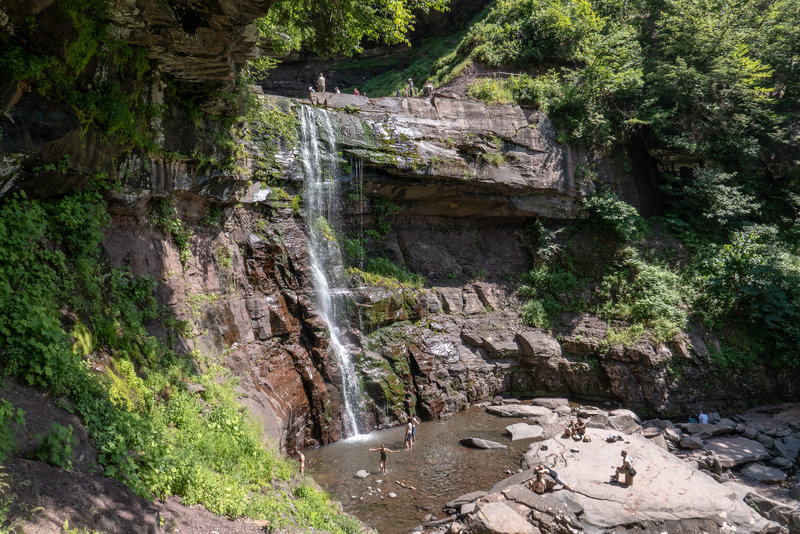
(438, 467)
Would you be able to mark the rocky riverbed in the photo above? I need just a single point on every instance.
(737, 474)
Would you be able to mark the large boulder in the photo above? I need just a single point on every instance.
(525, 431)
(479, 443)
(788, 516)
(499, 518)
(736, 450)
(536, 344)
(764, 474)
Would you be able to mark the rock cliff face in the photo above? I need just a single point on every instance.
(463, 179)
(190, 40)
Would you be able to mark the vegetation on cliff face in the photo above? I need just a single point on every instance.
(711, 86)
(75, 325)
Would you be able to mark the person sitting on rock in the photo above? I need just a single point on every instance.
(702, 418)
(568, 431)
(542, 470)
(692, 418)
(578, 429)
(625, 469)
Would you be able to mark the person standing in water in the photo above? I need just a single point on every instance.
(414, 422)
(302, 458)
(384, 450)
(409, 433)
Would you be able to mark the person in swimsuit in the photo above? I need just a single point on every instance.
(409, 433)
(384, 450)
(414, 422)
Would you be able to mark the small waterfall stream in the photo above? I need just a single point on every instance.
(322, 202)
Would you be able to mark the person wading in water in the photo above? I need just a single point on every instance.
(384, 450)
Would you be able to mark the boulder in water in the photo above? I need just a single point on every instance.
(478, 443)
(524, 431)
(362, 473)
(467, 497)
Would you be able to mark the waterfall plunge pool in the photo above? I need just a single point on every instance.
(438, 466)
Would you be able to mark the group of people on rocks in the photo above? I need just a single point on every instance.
(407, 91)
(576, 430)
(410, 437)
(701, 418)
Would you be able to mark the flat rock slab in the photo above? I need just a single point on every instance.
(550, 402)
(763, 473)
(525, 431)
(666, 490)
(736, 450)
(518, 410)
(706, 431)
(479, 443)
(499, 518)
(553, 503)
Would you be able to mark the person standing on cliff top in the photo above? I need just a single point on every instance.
(320, 83)
(384, 450)
(410, 87)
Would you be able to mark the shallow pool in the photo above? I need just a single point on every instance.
(438, 468)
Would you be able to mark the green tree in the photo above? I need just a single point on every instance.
(342, 26)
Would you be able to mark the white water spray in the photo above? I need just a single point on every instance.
(322, 210)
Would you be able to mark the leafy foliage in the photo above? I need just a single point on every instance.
(341, 27)
(56, 447)
(8, 416)
(150, 431)
(618, 216)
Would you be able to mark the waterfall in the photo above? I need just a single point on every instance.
(322, 203)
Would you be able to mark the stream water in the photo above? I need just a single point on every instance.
(438, 467)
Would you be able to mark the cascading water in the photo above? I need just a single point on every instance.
(322, 211)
